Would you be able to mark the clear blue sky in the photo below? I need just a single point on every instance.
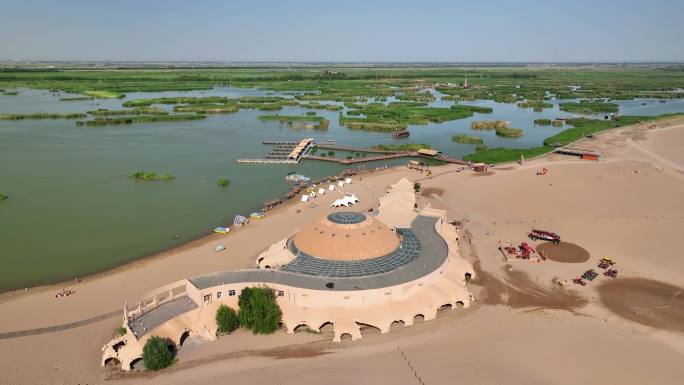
(289, 30)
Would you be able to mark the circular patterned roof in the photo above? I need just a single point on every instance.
(346, 236)
(346, 218)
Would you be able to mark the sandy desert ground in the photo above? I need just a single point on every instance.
(530, 325)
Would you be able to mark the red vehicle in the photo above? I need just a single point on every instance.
(535, 234)
(579, 281)
(612, 273)
(525, 250)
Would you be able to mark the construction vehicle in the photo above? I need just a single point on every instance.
(536, 234)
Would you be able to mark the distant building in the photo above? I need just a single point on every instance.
(465, 83)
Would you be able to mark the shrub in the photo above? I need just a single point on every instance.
(224, 182)
(467, 139)
(120, 331)
(226, 319)
(156, 354)
(259, 310)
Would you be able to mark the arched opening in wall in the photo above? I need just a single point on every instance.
(327, 330)
(112, 363)
(345, 337)
(468, 276)
(183, 338)
(459, 305)
(172, 347)
(267, 267)
(137, 364)
(118, 345)
(444, 310)
(368, 330)
(418, 318)
(281, 326)
(260, 259)
(304, 328)
(396, 325)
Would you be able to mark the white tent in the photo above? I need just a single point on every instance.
(347, 181)
(321, 191)
(331, 187)
(340, 183)
(346, 201)
(305, 198)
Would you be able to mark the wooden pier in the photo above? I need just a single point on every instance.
(292, 152)
(267, 161)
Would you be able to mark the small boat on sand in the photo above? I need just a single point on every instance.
(220, 248)
(256, 215)
(221, 230)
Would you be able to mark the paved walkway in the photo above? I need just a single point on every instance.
(57, 328)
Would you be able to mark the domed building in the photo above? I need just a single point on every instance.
(348, 269)
(346, 236)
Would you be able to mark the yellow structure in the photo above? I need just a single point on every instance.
(347, 269)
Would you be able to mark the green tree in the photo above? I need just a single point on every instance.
(259, 310)
(156, 354)
(226, 319)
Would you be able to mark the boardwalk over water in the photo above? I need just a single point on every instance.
(281, 154)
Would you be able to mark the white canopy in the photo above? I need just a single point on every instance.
(305, 198)
(346, 201)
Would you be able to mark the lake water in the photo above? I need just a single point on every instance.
(73, 210)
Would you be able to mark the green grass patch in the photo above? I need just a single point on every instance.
(589, 107)
(135, 111)
(504, 155)
(467, 139)
(321, 106)
(43, 115)
(489, 124)
(224, 182)
(108, 121)
(105, 94)
(299, 121)
(3, 197)
(175, 100)
(75, 98)
(210, 108)
(535, 104)
(146, 175)
(509, 132)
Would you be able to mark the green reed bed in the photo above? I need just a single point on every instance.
(318, 122)
(107, 121)
(489, 124)
(509, 132)
(151, 176)
(43, 115)
(589, 107)
(135, 111)
(467, 139)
